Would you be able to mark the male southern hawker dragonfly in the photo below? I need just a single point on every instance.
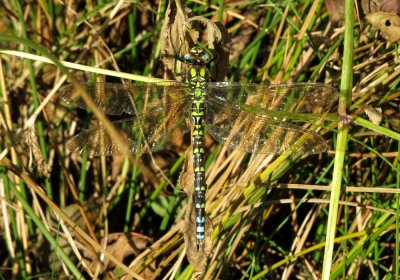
(248, 117)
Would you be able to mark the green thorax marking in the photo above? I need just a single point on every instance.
(198, 75)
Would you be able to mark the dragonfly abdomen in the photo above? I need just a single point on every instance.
(197, 79)
(200, 187)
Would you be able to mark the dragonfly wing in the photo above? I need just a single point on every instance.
(117, 99)
(245, 131)
(284, 99)
(141, 134)
(260, 118)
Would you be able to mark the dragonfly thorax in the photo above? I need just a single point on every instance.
(197, 76)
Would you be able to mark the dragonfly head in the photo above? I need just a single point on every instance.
(197, 56)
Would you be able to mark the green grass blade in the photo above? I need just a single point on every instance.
(342, 138)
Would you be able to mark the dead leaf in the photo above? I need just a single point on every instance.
(214, 35)
(391, 6)
(181, 32)
(47, 258)
(91, 207)
(124, 247)
(374, 114)
(371, 6)
(387, 23)
(32, 141)
(335, 9)
(172, 35)
(217, 38)
(187, 174)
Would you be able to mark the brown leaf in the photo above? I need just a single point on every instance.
(391, 6)
(125, 244)
(387, 23)
(171, 35)
(181, 32)
(335, 9)
(46, 257)
(217, 38)
(35, 151)
(374, 114)
(92, 208)
(371, 6)
(124, 247)
(186, 177)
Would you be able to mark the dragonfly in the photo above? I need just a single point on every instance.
(254, 118)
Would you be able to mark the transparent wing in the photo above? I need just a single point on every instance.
(276, 100)
(141, 134)
(240, 130)
(260, 118)
(116, 99)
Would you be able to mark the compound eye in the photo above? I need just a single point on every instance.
(187, 57)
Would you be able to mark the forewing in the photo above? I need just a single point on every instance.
(273, 99)
(116, 99)
(141, 134)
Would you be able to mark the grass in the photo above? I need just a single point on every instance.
(85, 217)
